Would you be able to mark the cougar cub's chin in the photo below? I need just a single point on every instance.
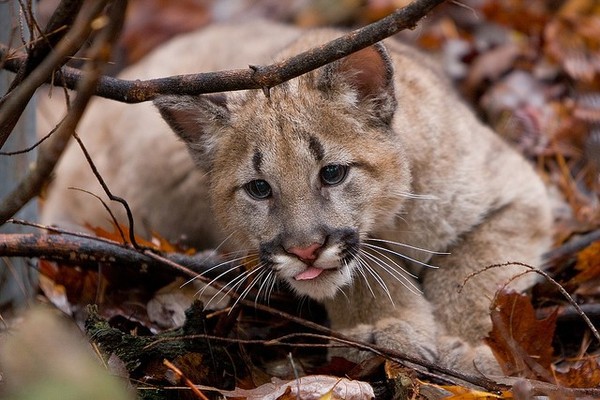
(366, 184)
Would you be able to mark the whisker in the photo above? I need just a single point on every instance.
(408, 246)
(341, 290)
(271, 288)
(400, 267)
(399, 255)
(216, 249)
(375, 276)
(403, 280)
(249, 287)
(250, 260)
(263, 285)
(251, 284)
(212, 281)
(239, 280)
(235, 282)
(362, 273)
(418, 196)
(234, 253)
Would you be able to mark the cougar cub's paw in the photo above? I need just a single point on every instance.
(395, 334)
(390, 333)
(457, 354)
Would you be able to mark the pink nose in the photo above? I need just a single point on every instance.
(309, 253)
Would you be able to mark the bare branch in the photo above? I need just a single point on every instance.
(51, 150)
(14, 102)
(257, 77)
(82, 250)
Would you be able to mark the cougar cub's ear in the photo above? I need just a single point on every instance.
(367, 76)
(196, 120)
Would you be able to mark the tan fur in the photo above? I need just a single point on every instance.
(422, 172)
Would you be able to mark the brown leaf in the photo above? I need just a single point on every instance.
(463, 393)
(81, 286)
(528, 17)
(521, 343)
(588, 263)
(157, 242)
(585, 375)
(573, 39)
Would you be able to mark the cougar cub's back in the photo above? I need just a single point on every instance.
(366, 184)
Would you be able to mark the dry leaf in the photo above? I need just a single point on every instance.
(528, 17)
(573, 39)
(463, 393)
(588, 263)
(313, 387)
(521, 343)
(81, 286)
(157, 242)
(585, 375)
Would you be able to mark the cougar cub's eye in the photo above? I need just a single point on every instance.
(258, 189)
(333, 174)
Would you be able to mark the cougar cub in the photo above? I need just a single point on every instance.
(366, 184)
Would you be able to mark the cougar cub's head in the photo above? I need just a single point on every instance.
(300, 178)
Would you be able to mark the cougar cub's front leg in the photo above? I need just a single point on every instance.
(365, 312)
(516, 232)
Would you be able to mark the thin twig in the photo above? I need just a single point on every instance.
(341, 340)
(107, 191)
(33, 146)
(534, 388)
(175, 265)
(114, 219)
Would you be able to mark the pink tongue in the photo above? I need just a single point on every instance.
(310, 273)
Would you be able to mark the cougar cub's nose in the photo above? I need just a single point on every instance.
(305, 254)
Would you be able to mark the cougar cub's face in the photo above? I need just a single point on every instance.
(298, 177)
